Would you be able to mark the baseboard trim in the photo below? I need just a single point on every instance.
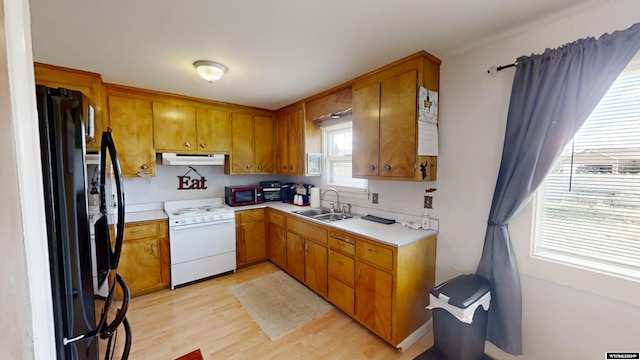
(415, 336)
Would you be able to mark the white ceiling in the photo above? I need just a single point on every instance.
(277, 51)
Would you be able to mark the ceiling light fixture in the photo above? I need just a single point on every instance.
(210, 70)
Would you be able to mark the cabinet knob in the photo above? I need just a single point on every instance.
(259, 167)
(372, 167)
(144, 167)
(284, 167)
(248, 167)
(187, 144)
(387, 167)
(290, 167)
(203, 145)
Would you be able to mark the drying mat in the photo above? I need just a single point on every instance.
(194, 355)
(279, 303)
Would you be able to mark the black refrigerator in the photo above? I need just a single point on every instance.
(86, 325)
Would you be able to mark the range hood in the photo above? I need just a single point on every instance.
(192, 159)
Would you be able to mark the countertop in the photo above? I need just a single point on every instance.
(395, 234)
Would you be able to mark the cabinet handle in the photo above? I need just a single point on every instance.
(290, 167)
(203, 145)
(372, 167)
(153, 248)
(144, 167)
(373, 251)
(387, 167)
(187, 144)
(259, 167)
(284, 167)
(248, 167)
(340, 263)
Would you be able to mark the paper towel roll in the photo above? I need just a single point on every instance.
(314, 201)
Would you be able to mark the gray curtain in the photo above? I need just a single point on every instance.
(552, 95)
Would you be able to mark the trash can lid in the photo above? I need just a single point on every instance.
(463, 290)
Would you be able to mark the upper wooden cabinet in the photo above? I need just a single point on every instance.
(385, 121)
(90, 84)
(295, 136)
(289, 143)
(174, 127)
(132, 129)
(329, 105)
(187, 129)
(251, 145)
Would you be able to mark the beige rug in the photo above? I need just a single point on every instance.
(278, 303)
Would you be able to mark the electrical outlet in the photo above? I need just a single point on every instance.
(374, 198)
(428, 202)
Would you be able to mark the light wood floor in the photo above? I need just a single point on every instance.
(168, 324)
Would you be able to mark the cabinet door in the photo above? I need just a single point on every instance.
(398, 106)
(89, 84)
(264, 157)
(295, 142)
(255, 238)
(373, 299)
(281, 146)
(213, 131)
(140, 264)
(316, 267)
(278, 246)
(366, 131)
(132, 127)
(242, 154)
(295, 256)
(174, 127)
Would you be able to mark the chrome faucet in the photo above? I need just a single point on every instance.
(337, 198)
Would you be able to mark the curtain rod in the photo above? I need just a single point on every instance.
(494, 69)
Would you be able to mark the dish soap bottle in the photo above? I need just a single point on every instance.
(425, 220)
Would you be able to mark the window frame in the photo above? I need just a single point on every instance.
(348, 191)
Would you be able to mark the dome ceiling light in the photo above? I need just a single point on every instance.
(210, 70)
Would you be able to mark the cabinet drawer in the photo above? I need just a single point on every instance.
(308, 230)
(141, 231)
(342, 236)
(375, 255)
(341, 267)
(341, 296)
(342, 246)
(251, 216)
(276, 218)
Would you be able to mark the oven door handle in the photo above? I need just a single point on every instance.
(191, 226)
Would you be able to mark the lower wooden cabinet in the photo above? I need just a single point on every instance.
(384, 287)
(144, 261)
(251, 237)
(277, 239)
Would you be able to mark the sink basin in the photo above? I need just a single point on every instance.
(313, 212)
(330, 217)
(323, 215)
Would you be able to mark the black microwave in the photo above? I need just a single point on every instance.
(271, 190)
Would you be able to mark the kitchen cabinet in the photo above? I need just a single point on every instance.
(251, 145)
(384, 287)
(385, 121)
(144, 261)
(312, 240)
(174, 128)
(187, 129)
(251, 237)
(132, 129)
(89, 84)
(289, 147)
(341, 270)
(277, 240)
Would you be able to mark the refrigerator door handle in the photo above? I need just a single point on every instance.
(104, 329)
(108, 144)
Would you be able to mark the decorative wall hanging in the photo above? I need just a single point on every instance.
(185, 182)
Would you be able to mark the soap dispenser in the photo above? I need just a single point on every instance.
(425, 220)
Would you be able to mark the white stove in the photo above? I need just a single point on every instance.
(202, 239)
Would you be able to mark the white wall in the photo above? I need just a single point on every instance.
(562, 319)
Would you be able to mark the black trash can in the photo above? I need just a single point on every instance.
(460, 308)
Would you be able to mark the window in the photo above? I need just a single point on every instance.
(336, 150)
(589, 205)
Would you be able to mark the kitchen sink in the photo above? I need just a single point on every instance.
(330, 217)
(324, 215)
(313, 212)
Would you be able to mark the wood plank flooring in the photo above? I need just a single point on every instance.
(206, 316)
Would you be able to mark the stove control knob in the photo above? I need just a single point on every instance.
(182, 221)
(202, 218)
